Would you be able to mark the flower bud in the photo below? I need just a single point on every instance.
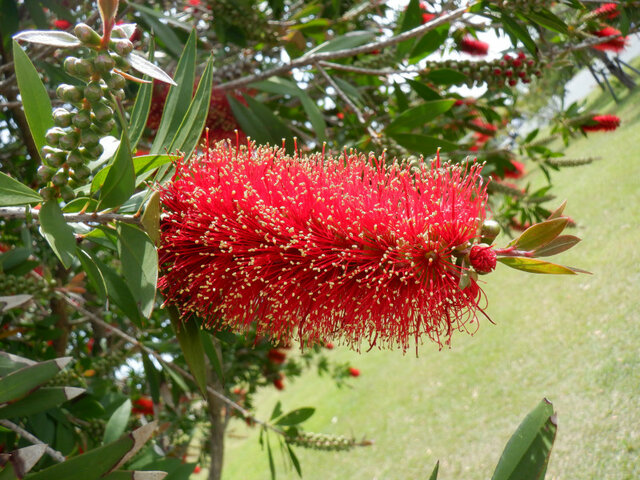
(67, 193)
(86, 34)
(62, 117)
(81, 173)
(116, 81)
(106, 127)
(69, 141)
(60, 178)
(75, 159)
(89, 138)
(95, 151)
(45, 173)
(69, 93)
(48, 193)
(121, 62)
(54, 156)
(82, 119)
(102, 112)
(53, 136)
(123, 47)
(83, 67)
(489, 231)
(482, 258)
(93, 92)
(119, 94)
(103, 63)
(70, 65)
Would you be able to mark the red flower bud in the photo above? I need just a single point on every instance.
(482, 258)
(354, 372)
(279, 382)
(276, 356)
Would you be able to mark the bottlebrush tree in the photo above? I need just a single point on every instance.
(178, 239)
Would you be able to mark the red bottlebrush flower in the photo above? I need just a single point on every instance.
(473, 46)
(276, 356)
(609, 10)
(196, 469)
(603, 123)
(328, 346)
(340, 115)
(279, 382)
(194, 3)
(143, 405)
(327, 248)
(483, 258)
(354, 372)
(427, 17)
(62, 24)
(515, 170)
(612, 45)
(90, 344)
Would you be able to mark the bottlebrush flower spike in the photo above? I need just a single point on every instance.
(609, 10)
(322, 248)
(473, 46)
(601, 123)
(612, 45)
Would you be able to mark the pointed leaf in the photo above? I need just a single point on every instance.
(526, 455)
(446, 76)
(119, 292)
(13, 301)
(151, 218)
(294, 460)
(533, 265)
(190, 130)
(249, 123)
(179, 97)
(10, 363)
(13, 192)
(117, 422)
(42, 399)
(50, 38)
(139, 259)
(558, 211)
(540, 234)
(295, 417)
(274, 127)
(153, 378)
(95, 463)
(141, 64)
(22, 381)
(188, 334)
(343, 42)
(423, 144)
(518, 32)
(96, 279)
(141, 107)
(419, 116)
(557, 245)
(429, 43)
(212, 354)
(57, 232)
(434, 474)
(35, 99)
(120, 182)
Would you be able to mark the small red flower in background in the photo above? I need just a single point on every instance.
(613, 45)
(328, 346)
(143, 405)
(62, 24)
(354, 372)
(483, 258)
(276, 356)
(602, 123)
(90, 344)
(474, 46)
(426, 16)
(353, 247)
(340, 115)
(197, 469)
(609, 10)
(135, 36)
(515, 170)
(279, 382)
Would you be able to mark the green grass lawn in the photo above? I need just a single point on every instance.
(572, 339)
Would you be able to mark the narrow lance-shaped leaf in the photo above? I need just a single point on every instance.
(10, 363)
(188, 334)
(526, 455)
(343, 42)
(51, 38)
(141, 64)
(540, 234)
(295, 417)
(119, 184)
(117, 423)
(557, 245)
(434, 474)
(533, 265)
(57, 232)
(141, 108)
(151, 218)
(139, 265)
(22, 381)
(42, 399)
(21, 461)
(420, 115)
(422, 144)
(35, 99)
(119, 292)
(136, 475)
(13, 192)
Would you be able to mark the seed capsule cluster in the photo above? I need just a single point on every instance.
(74, 141)
(507, 71)
(28, 285)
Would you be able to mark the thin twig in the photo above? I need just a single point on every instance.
(88, 218)
(368, 71)
(306, 60)
(56, 455)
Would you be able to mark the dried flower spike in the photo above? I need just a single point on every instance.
(321, 248)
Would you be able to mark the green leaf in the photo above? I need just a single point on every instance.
(142, 164)
(141, 64)
(249, 123)
(429, 43)
(275, 128)
(212, 353)
(95, 463)
(518, 32)
(294, 460)
(117, 423)
(343, 42)
(11, 259)
(178, 99)
(533, 265)
(50, 38)
(272, 467)
(434, 474)
(423, 144)
(120, 182)
(151, 218)
(157, 22)
(57, 232)
(446, 76)
(10, 363)
(420, 115)
(411, 18)
(190, 130)
(526, 455)
(277, 410)
(139, 260)
(424, 92)
(144, 474)
(177, 379)
(35, 99)
(12, 192)
(153, 378)
(540, 234)
(188, 333)
(296, 417)
(141, 107)
(547, 19)
(22, 381)
(96, 279)
(39, 401)
(86, 407)
(119, 292)
(557, 245)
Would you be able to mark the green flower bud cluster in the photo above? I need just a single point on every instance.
(104, 366)
(570, 162)
(67, 378)
(95, 429)
(376, 60)
(523, 5)
(74, 141)
(23, 285)
(505, 72)
(322, 441)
